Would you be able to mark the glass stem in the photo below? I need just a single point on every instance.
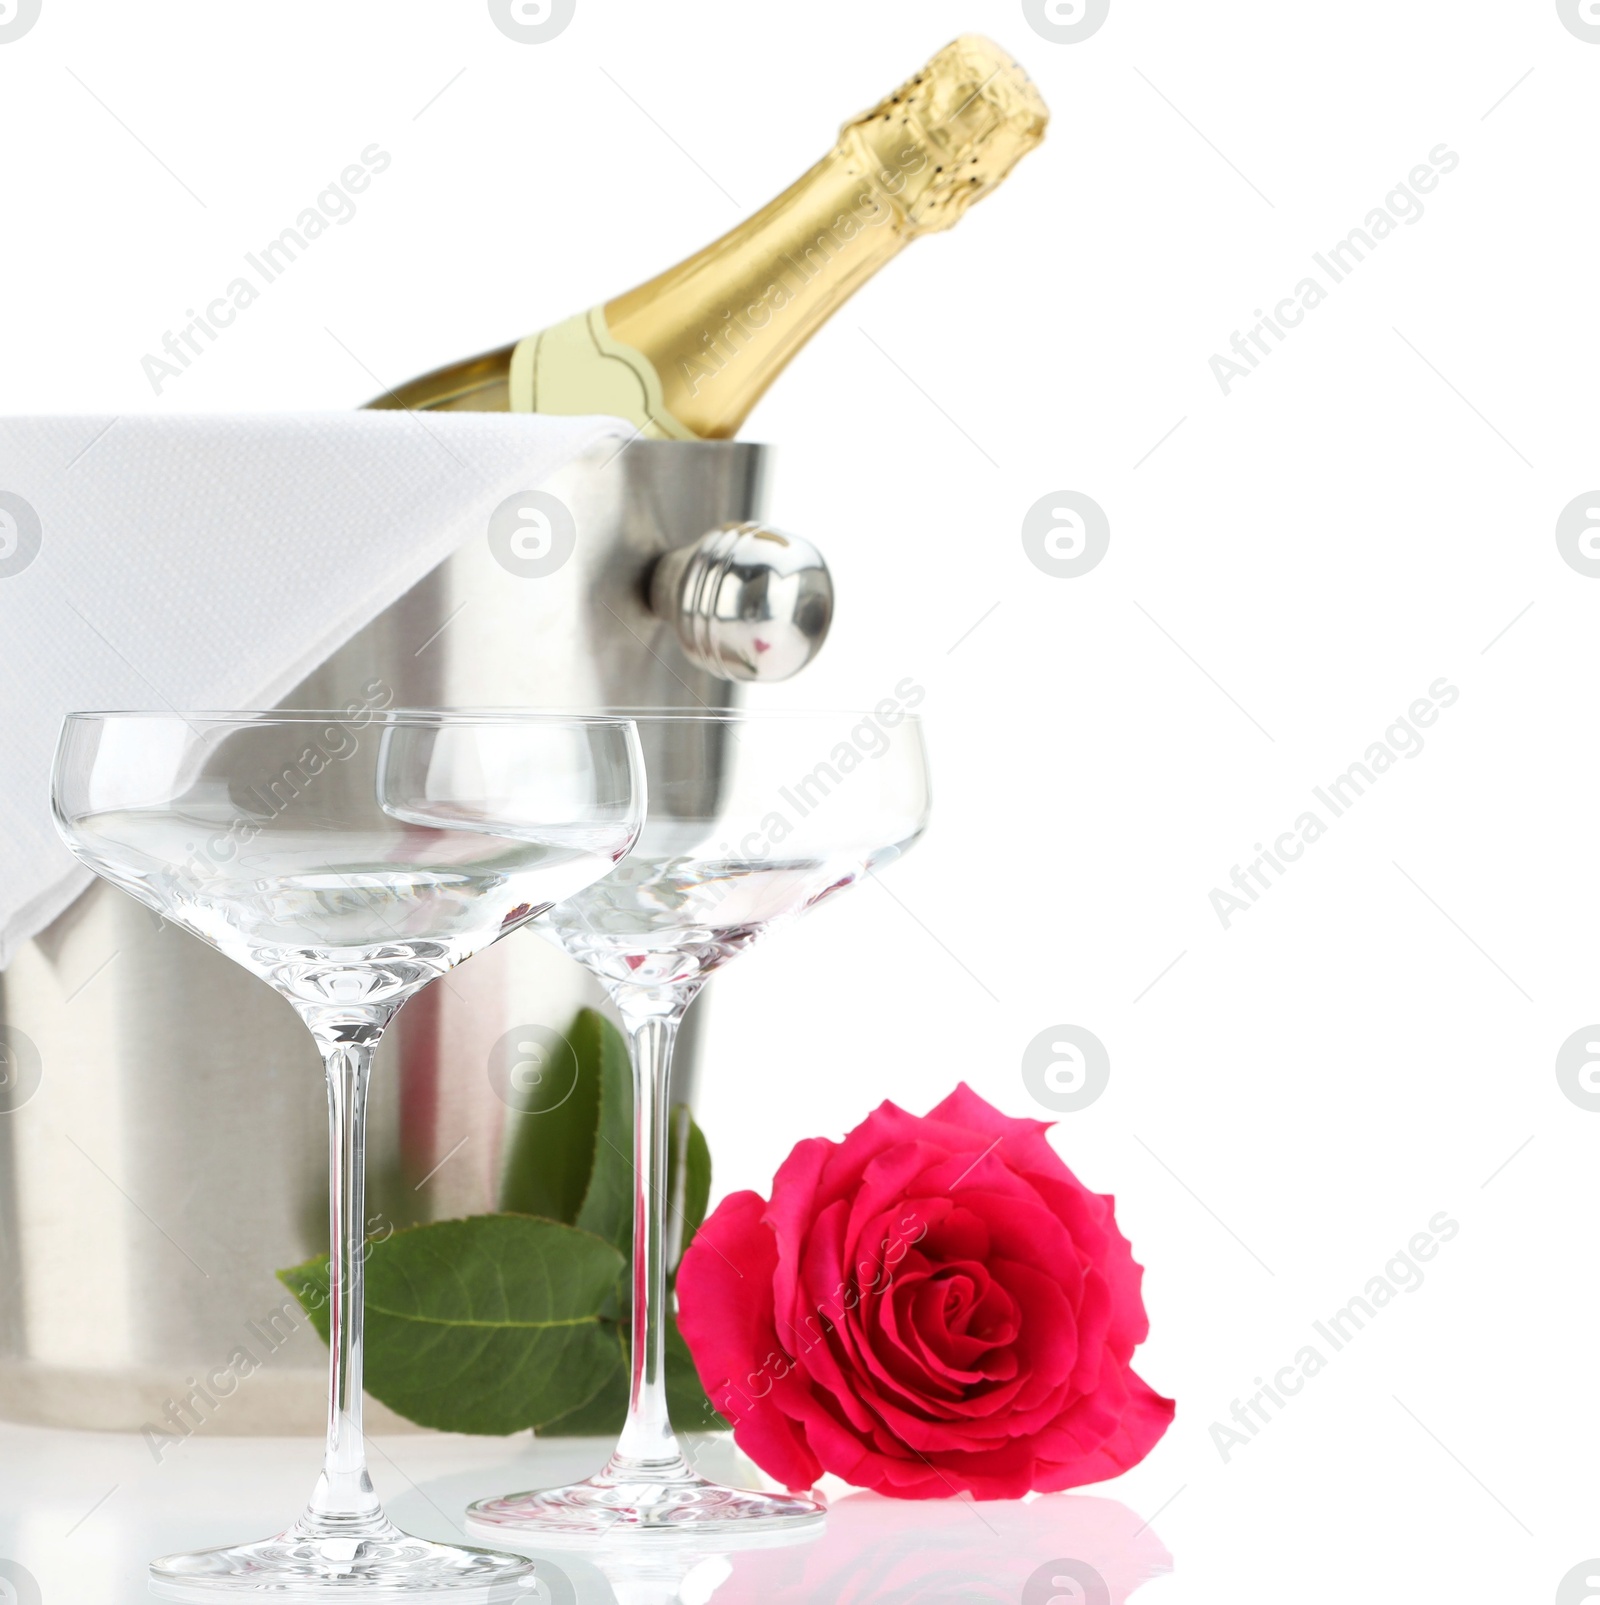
(344, 1503)
(647, 1437)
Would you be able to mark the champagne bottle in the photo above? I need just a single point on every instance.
(688, 354)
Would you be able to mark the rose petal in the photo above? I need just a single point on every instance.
(1145, 1416)
(726, 1330)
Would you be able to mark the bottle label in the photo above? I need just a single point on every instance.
(577, 367)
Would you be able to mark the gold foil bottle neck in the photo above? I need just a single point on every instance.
(950, 134)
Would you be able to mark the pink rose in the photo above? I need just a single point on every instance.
(936, 1305)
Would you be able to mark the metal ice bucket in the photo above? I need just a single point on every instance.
(175, 1156)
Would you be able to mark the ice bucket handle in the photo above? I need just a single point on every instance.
(748, 602)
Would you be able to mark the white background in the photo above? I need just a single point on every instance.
(1289, 568)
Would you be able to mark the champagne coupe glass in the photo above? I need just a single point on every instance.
(753, 819)
(347, 859)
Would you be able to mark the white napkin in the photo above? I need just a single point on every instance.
(213, 562)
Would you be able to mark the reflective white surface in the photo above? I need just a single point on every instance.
(83, 1513)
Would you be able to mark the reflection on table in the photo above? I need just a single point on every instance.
(1058, 1549)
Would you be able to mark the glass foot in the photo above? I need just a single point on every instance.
(641, 1498)
(386, 1564)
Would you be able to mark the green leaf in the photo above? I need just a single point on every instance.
(489, 1325)
(691, 1410)
(550, 1156)
(690, 1155)
(506, 1321)
(602, 1416)
(574, 1162)
(607, 1208)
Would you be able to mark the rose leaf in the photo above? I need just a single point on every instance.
(602, 1416)
(491, 1324)
(607, 1208)
(550, 1157)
